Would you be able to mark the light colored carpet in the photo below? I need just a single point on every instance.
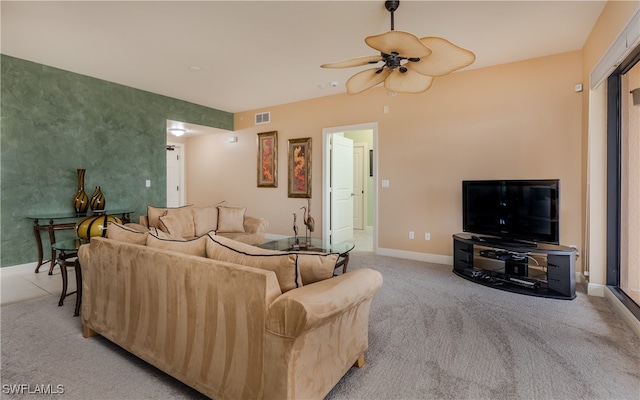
(433, 335)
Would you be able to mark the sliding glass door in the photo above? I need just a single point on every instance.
(630, 186)
(623, 183)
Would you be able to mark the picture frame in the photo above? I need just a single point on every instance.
(268, 159)
(299, 168)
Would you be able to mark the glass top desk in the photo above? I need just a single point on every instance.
(63, 221)
(316, 245)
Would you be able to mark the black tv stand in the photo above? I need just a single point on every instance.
(534, 269)
(501, 241)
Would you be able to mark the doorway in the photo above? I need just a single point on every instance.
(175, 175)
(364, 138)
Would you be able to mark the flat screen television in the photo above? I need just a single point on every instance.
(512, 210)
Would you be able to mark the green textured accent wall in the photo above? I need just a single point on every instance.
(54, 122)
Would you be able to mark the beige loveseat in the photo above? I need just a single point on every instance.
(262, 325)
(193, 221)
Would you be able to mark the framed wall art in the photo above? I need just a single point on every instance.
(268, 159)
(299, 168)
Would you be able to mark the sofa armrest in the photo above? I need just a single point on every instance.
(305, 308)
(255, 225)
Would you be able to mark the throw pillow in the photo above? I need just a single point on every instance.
(154, 214)
(284, 265)
(205, 219)
(313, 266)
(184, 217)
(231, 219)
(170, 225)
(123, 233)
(194, 247)
(316, 267)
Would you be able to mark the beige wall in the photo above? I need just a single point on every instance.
(519, 120)
(610, 24)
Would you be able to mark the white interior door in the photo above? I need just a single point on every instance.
(359, 151)
(341, 188)
(174, 173)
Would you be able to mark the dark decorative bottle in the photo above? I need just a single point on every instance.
(97, 201)
(81, 200)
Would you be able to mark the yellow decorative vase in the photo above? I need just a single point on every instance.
(94, 226)
(97, 201)
(81, 200)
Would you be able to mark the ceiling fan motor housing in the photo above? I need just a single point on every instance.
(391, 5)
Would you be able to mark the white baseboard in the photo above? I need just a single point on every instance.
(622, 311)
(22, 269)
(412, 255)
(594, 289)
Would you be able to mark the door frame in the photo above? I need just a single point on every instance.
(182, 182)
(363, 177)
(326, 175)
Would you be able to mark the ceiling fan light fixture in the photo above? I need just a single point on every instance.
(410, 63)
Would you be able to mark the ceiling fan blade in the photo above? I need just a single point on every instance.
(445, 58)
(354, 62)
(404, 43)
(366, 79)
(407, 82)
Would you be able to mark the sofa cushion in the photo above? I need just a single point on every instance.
(205, 219)
(194, 247)
(316, 267)
(124, 233)
(171, 225)
(313, 266)
(231, 219)
(283, 264)
(154, 213)
(136, 227)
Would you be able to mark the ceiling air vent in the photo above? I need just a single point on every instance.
(263, 118)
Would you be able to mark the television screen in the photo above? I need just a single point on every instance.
(519, 210)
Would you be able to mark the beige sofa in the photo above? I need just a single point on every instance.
(229, 330)
(194, 221)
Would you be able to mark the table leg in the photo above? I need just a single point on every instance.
(52, 240)
(79, 287)
(63, 271)
(36, 231)
(346, 263)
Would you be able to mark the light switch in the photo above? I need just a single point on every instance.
(148, 183)
(385, 183)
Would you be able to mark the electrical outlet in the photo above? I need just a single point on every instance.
(427, 236)
(148, 183)
(411, 235)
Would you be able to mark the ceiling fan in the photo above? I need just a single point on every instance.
(410, 64)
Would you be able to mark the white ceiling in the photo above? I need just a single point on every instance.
(257, 54)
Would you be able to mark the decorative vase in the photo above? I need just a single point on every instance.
(95, 225)
(97, 201)
(81, 200)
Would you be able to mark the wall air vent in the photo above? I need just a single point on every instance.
(263, 118)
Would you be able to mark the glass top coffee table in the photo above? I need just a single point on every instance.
(315, 245)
